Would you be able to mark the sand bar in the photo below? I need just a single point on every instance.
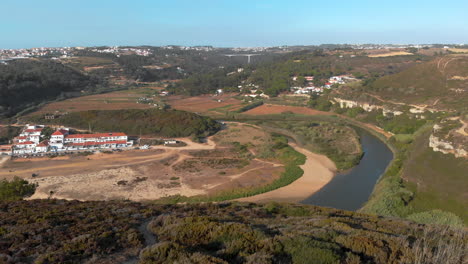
(318, 171)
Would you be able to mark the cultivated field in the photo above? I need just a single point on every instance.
(459, 50)
(267, 109)
(206, 103)
(390, 54)
(126, 99)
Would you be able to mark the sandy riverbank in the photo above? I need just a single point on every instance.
(318, 171)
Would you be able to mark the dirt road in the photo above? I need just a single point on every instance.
(3, 160)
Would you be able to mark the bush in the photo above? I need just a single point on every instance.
(16, 189)
(438, 217)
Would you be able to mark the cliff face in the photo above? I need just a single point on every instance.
(448, 142)
(57, 231)
(445, 147)
(366, 106)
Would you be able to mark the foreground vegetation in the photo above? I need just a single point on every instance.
(156, 122)
(58, 231)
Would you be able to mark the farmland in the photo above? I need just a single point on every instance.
(389, 54)
(268, 109)
(206, 104)
(126, 99)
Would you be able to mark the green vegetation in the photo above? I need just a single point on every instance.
(274, 77)
(7, 133)
(15, 189)
(27, 83)
(58, 231)
(336, 140)
(165, 123)
(250, 106)
(436, 199)
(319, 102)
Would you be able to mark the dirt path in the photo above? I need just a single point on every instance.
(461, 130)
(318, 171)
(3, 160)
(210, 144)
(95, 161)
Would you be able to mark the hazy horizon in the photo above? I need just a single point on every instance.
(53, 23)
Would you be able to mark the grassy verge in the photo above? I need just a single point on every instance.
(434, 199)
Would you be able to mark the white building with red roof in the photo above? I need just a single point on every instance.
(29, 141)
(96, 141)
(26, 147)
(57, 139)
(42, 147)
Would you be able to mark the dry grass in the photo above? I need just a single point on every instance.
(389, 54)
(206, 103)
(459, 50)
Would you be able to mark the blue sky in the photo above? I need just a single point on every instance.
(51, 23)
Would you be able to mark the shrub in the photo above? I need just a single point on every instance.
(437, 217)
(16, 189)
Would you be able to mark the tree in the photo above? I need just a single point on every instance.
(46, 133)
(15, 189)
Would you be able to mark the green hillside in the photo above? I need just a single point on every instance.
(156, 122)
(58, 231)
(440, 83)
(27, 83)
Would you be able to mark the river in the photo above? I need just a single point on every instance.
(351, 189)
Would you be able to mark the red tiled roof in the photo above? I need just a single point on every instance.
(98, 135)
(22, 137)
(57, 133)
(26, 143)
(93, 143)
(44, 143)
(33, 130)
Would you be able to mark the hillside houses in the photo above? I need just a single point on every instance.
(29, 141)
(309, 87)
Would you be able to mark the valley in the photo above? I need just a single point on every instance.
(381, 133)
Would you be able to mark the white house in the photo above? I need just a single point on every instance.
(26, 147)
(42, 147)
(57, 139)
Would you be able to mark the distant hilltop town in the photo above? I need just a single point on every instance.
(64, 52)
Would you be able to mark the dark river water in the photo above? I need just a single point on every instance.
(350, 190)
